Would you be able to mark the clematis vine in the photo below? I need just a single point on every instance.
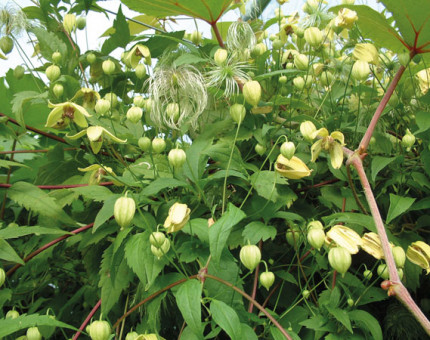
(98, 172)
(89, 97)
(332, 143)
(64, 113)
(95, 135)
(136, 53)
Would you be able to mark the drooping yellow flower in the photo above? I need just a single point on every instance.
(423, 77)
(95, 136)
(179, 214)
(89, 97)
(371, 244)
(97, 173)
(62, 114)
(419, 253)
(344, 237)
(345, 18)
(293, 168)
(136, 53)
(332, 143)
(366, 52)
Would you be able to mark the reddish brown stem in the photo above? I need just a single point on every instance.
(55, 187)
(48, 245)
(333, 283)
(217, 34)
(330, 181)
(254, 288)
(32, 151)
(88, 318)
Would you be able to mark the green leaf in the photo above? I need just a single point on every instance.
(208, 10)
(15, 232)
(375, 26)
(141, 260)
(277, 73)
(286, 276)
(265, 184)
(105, 213)
(93, 192)
(220, 230)
(162, 183)
(256, 231)
(34, 199)
(277, 335)
(188, 298)
(25, 97)
(352, 218)
(398, 205)
(189, 59)
(121, 37)
(7, 164)
(362, 317)
(247, 332)
(227, 319)
(10, 326)
(7, 253)
(49, 43)
(220, 153)
(341, 316)
(378, 163)
(423, 121)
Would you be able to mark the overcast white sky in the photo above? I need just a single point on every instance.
(97, 24)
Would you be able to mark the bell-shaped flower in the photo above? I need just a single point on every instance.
(95, 135)
(371, 244)
(62, 114)
(344, 237)
(345, 18)
(332, 143)
(136, 53)
(179, 214)
(98, 172)
(366, 52)
(419, 253)
(293, 168)
(423, 77)
(89, 97)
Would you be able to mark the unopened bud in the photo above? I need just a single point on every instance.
(157, 239)
(139, 101)
(140, 71)
(267, 279)
(99, 330)
(158, 145)
(53, 72)
(134, 114)
(56, 57)
(260, 149)
(102, 106)
(313, 36)
(124, 210)
(252, 92)
(18, 72)
(91, 57)
(69, 23)
(316, 238)
(58, 90)
(237, 113)
(33, 333)
(177, 158)
(288, 149)
(360, 70)
(144, 143)
(339, 259)
(108, 67)
(81, 22)
(196, 37)
(308, 129)
(250, 256)
(383, 271)
(399, 256)
(220, 56)
(408, 140)
(301, 61)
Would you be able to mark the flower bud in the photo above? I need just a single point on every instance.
(350, 302)
(108, 67)
(69, 23)
(258, 50)
(139, 101)
(344, 237)
(161, 251)
(124, 210)
(12, 314)
(102, 106)
(157, 239)
(33, 334)
(58, 90)
(301, 61)
(196, 37)
(326, 78)
(56, 57)
(220, 56)
(399, 256)
(260, 149)
(140, 71)
(144, 143)
(100, 330)
(81, 22)
(339, 259)
(294, 237)
(408, 140)
(179, 215)
(91, 58)
(293, 168)
(367, 274)
(237, 113)
(250, 256)
(288, 149)
(308, 130)
(366, 52)
(316, 238)
(345, 18)
(252, 92)
(172, 111)
(53, 72)
(131, 336)
(110, 96)
(404, 58)
(299, 83)
(306, 293)
(282, 79)
(360, 70)
(313, 36)
(158, 145)
(316, 225)
(267, 279)
(277, 44)
(2, 276)
(419, 253)
(134, 114)
(6, 44)
(18, 72)
(177, 158)
(383, 271)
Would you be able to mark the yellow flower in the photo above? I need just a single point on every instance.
(423, 77)
(344, 237)
(179, 214)
(62, 114)
(333, 144)
(419, 253)
(371, 244)
(345, 18)
(136, 53)
(97, 173)
(366, 52)
(89, 97)
(293, 168)
(95, 135)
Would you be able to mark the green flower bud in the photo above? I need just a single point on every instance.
(124, 210)
(294, 237)
(196, 37)
(158, 145)
(134, 114)
(316, 225)
(33, 334)
(102, 106)
(267, 279)
(81, 22)
(53, 72)
(326, 78)
(250, 256)
(360, 70)
(12, 314)
(299, 83)
(91, 57)
(282, 79)
(316, 238)
(288, 149)
(252, 92)
(220, 56)
(6, 44)
(301, 61)
(18, 72)
(367, 274)
(100, 330)
(300, 32)
(383, 271)
(144, 143)
(350, 302)
(140, 71)
(177, 158)
(408, 140)
(112, 98)
(108, 67)
(340, 259)
(69, 23)
(260, 149)
(131, 336)
(399, 256)
(237, 113)
(277, 44)
(313, 36)
(161, 251)
(139, 101)
(56, 57)
(400, 273)
(308, 129)
(58, 90)
(157, 239)
(2, 276)
(172, 111)
(258, 50)
(404, 58)
(306, 293)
